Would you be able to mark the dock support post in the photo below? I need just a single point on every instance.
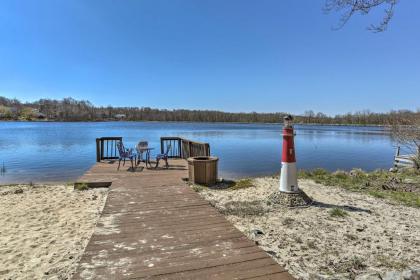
(98, 150)
(398, 151)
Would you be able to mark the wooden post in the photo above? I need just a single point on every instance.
(179, 148)
(102, 149)
(98, 151)
(184, 148)
(398, 151)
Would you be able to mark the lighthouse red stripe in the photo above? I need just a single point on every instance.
(288, 146)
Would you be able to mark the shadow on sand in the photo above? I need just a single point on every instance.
(342, 207)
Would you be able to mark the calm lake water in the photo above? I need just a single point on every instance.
(56, 152)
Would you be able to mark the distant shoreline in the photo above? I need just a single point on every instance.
(147, 121)
(70, 109)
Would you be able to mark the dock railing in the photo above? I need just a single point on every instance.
(184, 148)
(405, 160)
(106, 148)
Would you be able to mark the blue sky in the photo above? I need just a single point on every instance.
(236, 55)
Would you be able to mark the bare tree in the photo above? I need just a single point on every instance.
(352, 7)
(406, 131)
(309, 116)
(408, 136)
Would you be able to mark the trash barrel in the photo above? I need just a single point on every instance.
(203, 170)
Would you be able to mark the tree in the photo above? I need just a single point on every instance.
(309, 116)
(406, 131)
(352, 7)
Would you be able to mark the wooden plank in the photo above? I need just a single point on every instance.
(154, 226)
(404, 160)
(93, 185)
(248, 269)
(176, 250)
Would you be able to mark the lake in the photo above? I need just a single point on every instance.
(61, 152)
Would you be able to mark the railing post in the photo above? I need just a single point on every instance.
(98, 151)
(102, 149)
(184, 148)
(111, 148)
(398, 151)
(179, 148)
(208, 150)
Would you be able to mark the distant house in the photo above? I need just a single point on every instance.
(120, 116)
(40, 116)
(37, 114)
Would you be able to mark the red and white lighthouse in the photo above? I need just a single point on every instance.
(288, 177)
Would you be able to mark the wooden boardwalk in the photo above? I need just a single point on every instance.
(154, 226)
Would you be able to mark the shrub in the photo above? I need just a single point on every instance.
(304, 174)
(242, 184)
(400, 187)
(197, 188)
(357, 172)
(81, 186)
(377, 194)
(337, 212)
(340, 174)
(416, 160)
(319, 172)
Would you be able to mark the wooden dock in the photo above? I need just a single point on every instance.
(154, 226)
(405, 161)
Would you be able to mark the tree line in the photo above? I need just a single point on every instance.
(69, 109)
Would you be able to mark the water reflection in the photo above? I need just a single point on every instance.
(37, 151)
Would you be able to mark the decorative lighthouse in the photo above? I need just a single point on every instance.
(288, 177)
(289, 195)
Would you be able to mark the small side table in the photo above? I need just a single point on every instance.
(147, 151)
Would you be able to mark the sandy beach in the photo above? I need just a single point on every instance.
(44, 229)
(366, 235)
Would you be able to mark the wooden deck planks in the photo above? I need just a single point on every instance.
(154, 226)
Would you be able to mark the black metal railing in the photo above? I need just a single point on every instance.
(184, 148)
(106, 148)
(175, 151)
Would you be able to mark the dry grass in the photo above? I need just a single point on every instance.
(402, 187)
(337, 212)
(346, 233)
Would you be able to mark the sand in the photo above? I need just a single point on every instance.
(374, 235)
(45, 229)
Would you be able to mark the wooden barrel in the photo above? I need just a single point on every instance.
(203, 170)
